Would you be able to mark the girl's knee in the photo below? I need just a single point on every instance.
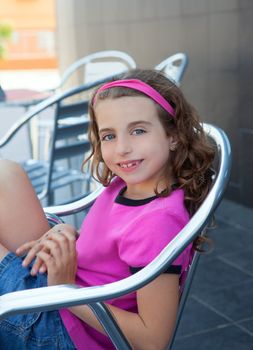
(9, 167)
(10, 172)
(3, 252)
(7, 164)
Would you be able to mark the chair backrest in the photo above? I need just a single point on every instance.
(69, 141)
(45, 104)
(98, 65)
(64, 296)
(174, 66)
(69, 133)
(201, 218)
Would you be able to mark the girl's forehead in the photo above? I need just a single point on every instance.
(124, 112)
(127, 107)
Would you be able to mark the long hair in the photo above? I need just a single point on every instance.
(191, 161)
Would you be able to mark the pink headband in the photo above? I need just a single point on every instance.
(139, 85)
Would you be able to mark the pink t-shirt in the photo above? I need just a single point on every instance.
(117, 236)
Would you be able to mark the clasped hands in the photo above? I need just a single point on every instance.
(54, 253)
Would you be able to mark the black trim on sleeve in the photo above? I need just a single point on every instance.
(173, 269)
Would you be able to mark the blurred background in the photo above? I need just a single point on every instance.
(48, 35)
(40, 39)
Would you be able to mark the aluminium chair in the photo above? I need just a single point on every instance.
(69, 126)
(51, 298)
(68, 143)
(98, 65)
(174, 67)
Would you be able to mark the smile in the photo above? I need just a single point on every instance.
(130, 164)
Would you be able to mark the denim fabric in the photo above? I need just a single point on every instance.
(39, 330)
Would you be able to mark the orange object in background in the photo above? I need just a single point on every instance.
(32, 45)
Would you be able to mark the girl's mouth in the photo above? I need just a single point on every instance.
(130, 165)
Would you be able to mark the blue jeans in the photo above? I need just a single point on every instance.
(39, 330)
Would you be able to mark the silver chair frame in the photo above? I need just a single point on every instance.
(174, 67)
(47, 166)
(40, 107)
(107, 55)
(55, 297)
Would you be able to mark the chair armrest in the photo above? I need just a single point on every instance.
(75, 207)
(68, 295)
(61, 296)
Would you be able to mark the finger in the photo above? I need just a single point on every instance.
(53, 248)
(70, 236)
(66, 240)
(47, 259)
(43, 268)
(32, 253)
(25, 247)
(71, 245)
(36, 266)
(61, 241)
(58, 248)
(54, 271)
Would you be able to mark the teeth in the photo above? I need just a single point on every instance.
(128, 165)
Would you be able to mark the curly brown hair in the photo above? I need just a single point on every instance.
(190, 162)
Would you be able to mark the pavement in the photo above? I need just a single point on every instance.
(219, 310)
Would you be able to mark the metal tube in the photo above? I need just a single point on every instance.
(55, 297)
(110, 326)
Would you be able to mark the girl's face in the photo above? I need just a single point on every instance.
(134, 144)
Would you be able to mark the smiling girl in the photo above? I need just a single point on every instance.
(149, 150)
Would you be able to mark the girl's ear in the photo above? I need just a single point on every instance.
(173, 143)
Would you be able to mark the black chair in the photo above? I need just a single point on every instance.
(68, 141)
(68, 144)
(2, 94)
(66, 134)
(51, 298)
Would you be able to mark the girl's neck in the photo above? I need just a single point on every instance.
(137, 195)
(139, 192)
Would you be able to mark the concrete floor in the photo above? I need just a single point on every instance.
(219, 309)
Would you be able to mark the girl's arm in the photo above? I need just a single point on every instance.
(150, 328)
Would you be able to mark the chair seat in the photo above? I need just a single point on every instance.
(37, 172)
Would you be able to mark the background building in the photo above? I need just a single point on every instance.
(33, 39)
(216, 34)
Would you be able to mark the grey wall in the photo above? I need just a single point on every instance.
(216, 34)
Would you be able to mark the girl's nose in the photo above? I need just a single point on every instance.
(123, 146)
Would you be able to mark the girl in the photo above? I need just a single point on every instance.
(149, 150)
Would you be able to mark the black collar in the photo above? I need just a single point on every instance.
(120, 199)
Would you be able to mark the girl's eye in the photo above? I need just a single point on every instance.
(138, 132)
(108, 137)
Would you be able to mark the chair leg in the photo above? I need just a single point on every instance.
(110, 326)
(50, 198)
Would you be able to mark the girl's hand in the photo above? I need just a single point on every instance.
(34, 247)
(60, 258)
